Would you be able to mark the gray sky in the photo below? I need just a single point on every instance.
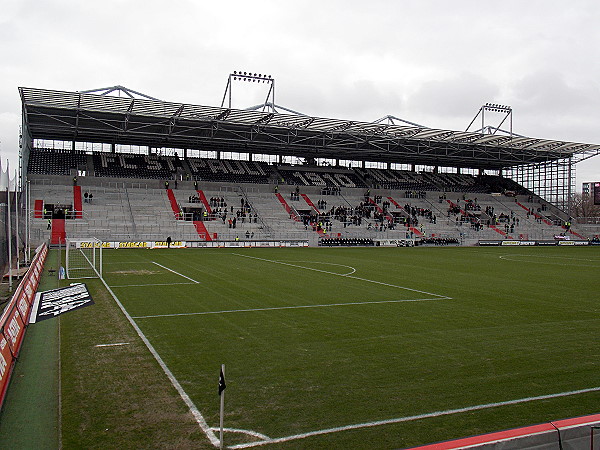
(431, 62)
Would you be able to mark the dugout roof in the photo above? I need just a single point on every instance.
(85, 117)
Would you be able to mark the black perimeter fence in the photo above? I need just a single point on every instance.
(16, 242)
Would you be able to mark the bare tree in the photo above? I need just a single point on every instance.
(583, 206)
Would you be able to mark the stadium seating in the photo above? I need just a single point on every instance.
(130, 201)
(135, 166)
(320, 177)
(230, 171)
(55, 162)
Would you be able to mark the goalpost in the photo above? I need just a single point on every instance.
(84, 258)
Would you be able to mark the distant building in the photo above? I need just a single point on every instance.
(591, 189)
(587, 189)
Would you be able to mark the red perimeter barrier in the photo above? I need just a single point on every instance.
(15, 318)
(510, 437)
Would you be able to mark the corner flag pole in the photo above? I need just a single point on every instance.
(222, 387)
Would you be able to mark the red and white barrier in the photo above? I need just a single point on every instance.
(15, 318)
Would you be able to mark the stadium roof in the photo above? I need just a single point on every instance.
(86, 117)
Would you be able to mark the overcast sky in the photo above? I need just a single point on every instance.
(430, 62)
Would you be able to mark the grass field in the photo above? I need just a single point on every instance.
(401, 346)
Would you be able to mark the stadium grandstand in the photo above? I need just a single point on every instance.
(134, 168)
(325, 347)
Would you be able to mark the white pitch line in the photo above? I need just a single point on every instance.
(248, 432)
(150, 284)
(275, 308)
(411, 418)
(200, 420)
(549, 257)
(331, 264)
(345, 276)
(127, 263)
(566, 263)
(177, 273)
(112, 345)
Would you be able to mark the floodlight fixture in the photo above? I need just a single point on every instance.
(252, 77)
(496, 108)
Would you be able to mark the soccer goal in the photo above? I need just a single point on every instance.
(84, 258)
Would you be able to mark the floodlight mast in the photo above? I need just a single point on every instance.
(493, 107)
(269, 103)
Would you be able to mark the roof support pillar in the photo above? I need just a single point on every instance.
(569, 184)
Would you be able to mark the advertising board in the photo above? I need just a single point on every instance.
(14, 319)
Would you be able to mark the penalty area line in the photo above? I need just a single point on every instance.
(345, 276)
(176, 273)
(416, 417)
(149, 284)
(275, 308)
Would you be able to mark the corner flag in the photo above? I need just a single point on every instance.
(222, 387)
(222, 384)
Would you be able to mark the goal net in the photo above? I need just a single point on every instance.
(84, 258)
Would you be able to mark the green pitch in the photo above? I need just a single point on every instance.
(401, 346)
